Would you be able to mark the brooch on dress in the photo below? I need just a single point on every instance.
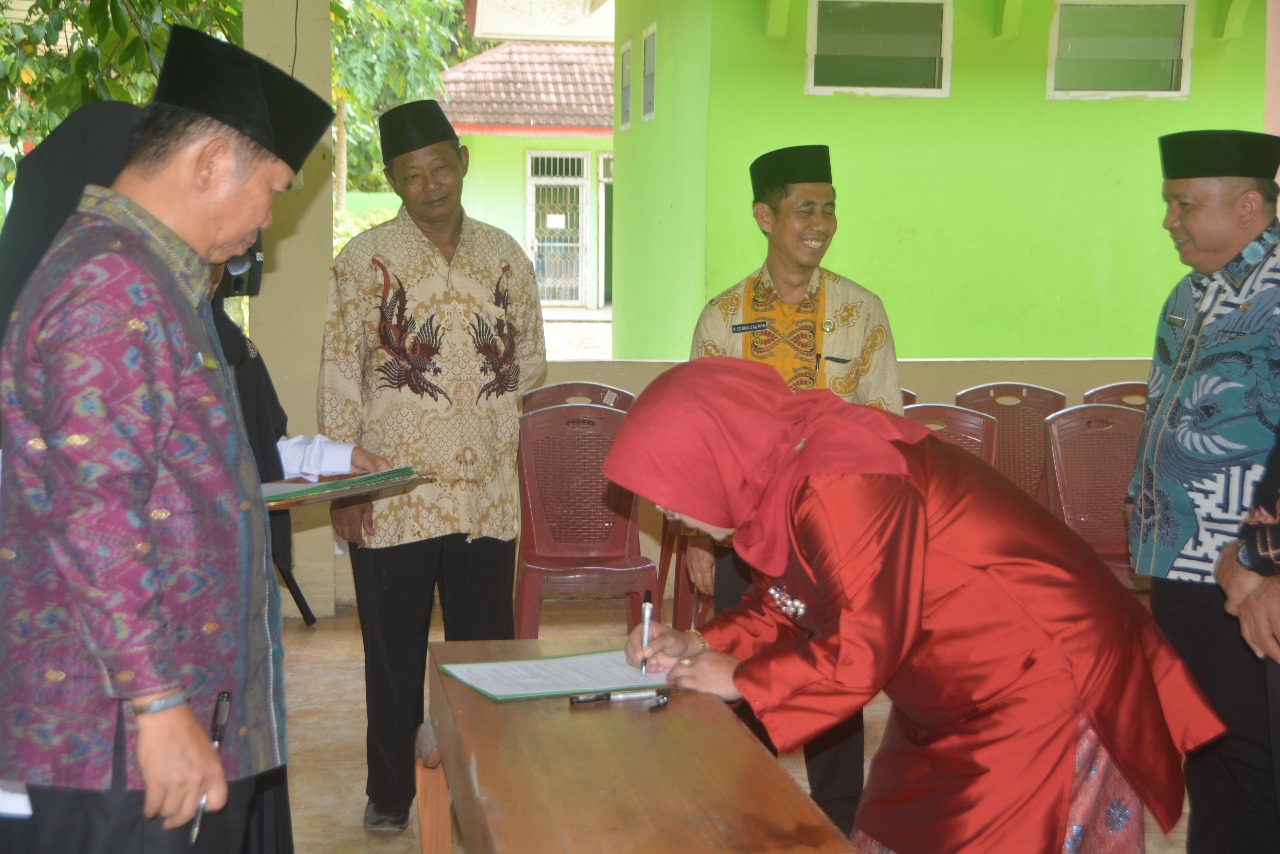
(787, 604)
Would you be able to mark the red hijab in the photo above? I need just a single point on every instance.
(724, 441)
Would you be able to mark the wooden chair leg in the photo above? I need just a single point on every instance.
(682, 600)
(434, 823)
(669, 535)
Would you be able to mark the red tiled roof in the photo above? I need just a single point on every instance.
(532, 85)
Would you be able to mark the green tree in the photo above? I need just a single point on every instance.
(384, 54)
(61, 54)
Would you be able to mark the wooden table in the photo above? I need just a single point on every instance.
(536, 775)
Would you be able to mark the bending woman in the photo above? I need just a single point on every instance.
(1036, 706)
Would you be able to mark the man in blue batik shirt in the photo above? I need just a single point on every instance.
(1213, 400)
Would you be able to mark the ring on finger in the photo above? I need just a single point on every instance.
(687, 662)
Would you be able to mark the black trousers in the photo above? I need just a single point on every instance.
(84, 821)
(834, 760)
(394, 591)
(1231, 783)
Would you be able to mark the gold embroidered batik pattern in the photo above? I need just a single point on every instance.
(791, 337)
(424, 362)
(850, 330)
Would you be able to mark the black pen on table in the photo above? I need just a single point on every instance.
(218, 729)
(647, 612)
(615, 696)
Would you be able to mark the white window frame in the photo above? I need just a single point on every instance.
(1188, 36)
(811, 48)
(601, 181)
(651, 30)
(625, 86)
(585, 224)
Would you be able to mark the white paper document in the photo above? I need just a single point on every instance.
(14, 802)
(551, 677)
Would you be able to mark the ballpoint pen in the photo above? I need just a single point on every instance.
(647, 611)
(218, 729)
(615, 696)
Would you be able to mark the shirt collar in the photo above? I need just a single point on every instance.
(1237, 270)
(815, 281)
(190, 270)
(406, 222)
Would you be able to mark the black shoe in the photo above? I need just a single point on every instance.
(384, 821)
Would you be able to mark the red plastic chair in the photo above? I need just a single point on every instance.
(908, 397)
(1091, 450)
(689, 608)
(579, 531)
(1130, 394)
(1020, 410)
(577, 391)
(973, 431)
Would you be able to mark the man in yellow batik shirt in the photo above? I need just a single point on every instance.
(819, 330)
(434, 332)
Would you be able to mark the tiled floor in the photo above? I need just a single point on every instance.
(325, 685)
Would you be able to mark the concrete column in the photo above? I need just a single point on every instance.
(286, 320)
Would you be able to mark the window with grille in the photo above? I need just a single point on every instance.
(650, 71)
(557, 219)
(1100, 50)
(552, 166)
(892, 47)
(624, 87)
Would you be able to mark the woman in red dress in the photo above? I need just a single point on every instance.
(1036, 706)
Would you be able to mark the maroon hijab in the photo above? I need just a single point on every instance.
(725, 442)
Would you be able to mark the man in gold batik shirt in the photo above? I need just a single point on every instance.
(434, 331)
(819, 330)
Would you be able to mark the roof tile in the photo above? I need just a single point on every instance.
(533, 84)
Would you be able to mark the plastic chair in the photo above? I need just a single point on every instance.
(579, 532)
(1020, 410)
(1130, 394)
(577, 391)
(908, 397)
(689, 608)
(1091, 450)
(973, 431)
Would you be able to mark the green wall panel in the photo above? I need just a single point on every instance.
(660, 230)
(994, 223)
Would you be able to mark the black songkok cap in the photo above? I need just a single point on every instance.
(800, 164)
(411, 126)
(245, 93)
(1220, 154)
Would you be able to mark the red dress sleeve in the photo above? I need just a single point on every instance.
(858, 544)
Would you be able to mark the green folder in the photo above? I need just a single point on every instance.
(282, 493)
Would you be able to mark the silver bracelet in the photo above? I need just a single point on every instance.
(170, 701)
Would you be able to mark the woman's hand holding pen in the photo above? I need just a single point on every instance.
(687, 664)
(666, 647)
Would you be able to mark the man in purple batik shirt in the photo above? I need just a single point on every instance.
(134, 578)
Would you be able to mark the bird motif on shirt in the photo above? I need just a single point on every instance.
(496, 345)
(412, 349)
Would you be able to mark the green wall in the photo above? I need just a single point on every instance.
(660, 183)
(994, 223)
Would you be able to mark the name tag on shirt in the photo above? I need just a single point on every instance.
(754, 326)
